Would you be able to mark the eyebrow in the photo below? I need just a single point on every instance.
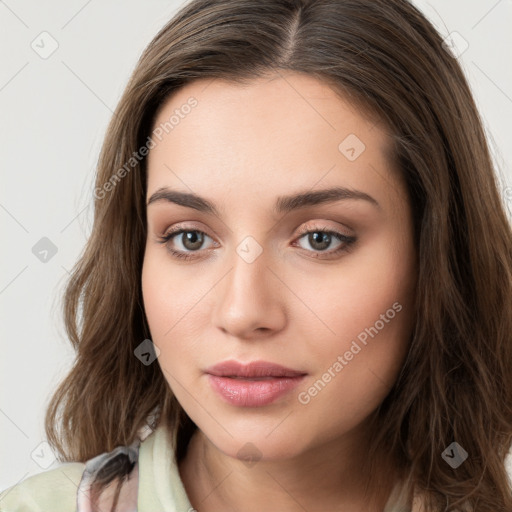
(283, 204)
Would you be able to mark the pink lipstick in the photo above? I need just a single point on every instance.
(254, 384)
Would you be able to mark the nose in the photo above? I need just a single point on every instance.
(250, 301)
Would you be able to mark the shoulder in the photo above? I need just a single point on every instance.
(55, 490)
(405, 497)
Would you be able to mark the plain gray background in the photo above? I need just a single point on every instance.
(54, 114)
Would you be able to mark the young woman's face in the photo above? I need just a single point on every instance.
(253, 176)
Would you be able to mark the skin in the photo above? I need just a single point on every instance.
(241, 147)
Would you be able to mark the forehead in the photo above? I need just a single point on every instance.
(275, 133)
(290, 102)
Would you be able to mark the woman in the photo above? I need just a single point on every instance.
(300, 269)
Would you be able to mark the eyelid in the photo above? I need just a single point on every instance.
(185, 226)
(321, 226)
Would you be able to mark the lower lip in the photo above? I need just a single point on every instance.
(253, 393)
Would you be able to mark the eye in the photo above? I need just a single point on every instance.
(190, 240)
(320, 239)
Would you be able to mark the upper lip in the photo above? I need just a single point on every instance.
(253, 369)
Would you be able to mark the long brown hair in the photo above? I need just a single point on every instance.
(456, 382)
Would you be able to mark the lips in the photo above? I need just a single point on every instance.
(255, 384)
(255, 369)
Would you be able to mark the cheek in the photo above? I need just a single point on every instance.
(353, 370)
(157, 300)
(169, 294)
(366, 313)
(353, 295)
(174, 302)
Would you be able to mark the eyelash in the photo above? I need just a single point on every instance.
(347, 241)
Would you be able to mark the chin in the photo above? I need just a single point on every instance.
(254, 444)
